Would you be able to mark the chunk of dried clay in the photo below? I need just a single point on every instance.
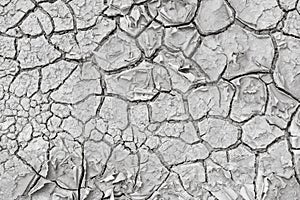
(212, 100)
(172, 12)
(168, 106)
(117, 52)
(280, 106)
(242, 167)
(55, 74)
(12, 12)
(61, 15)
(286, 74)
(151, 175)
(150, 39)
(86, 12)
(135, 22)
(192, 176)
(183, 39)
(7, 49)
(172, 189)
(114, 116)
(76, 88)
(118, 7)
(141, 83)
(234, 52)
(218, 133)
(287, 4)
(183, 71)
(277, 160)
(25, 84)
(292, 25)
(176, 151)
(37, 23)
(139, 116)
(250, 98)
(36, 52)
(259, 14)
(213, 16)
(259, 133)
(294, 129)
(185, 131)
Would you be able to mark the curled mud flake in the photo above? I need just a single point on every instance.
(168, 106)
(258, 133)
(117, 52)
(150, 39)
(118, 7)
(218, 133)
(280, 107)
(135, 22)
(287, 71)
(213, 100)
(183, 39)
(259, 14)
(35, 52)
(213, 16)
(172, 12)
(250, 98)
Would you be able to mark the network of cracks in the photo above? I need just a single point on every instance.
(149, 99)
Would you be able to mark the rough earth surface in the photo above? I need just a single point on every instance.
(149, 99)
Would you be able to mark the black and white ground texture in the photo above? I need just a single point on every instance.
(149, 99)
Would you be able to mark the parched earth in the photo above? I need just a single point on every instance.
(149, 99)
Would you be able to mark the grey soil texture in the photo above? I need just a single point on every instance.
(149, 99)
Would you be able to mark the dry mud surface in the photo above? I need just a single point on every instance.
(149, 99)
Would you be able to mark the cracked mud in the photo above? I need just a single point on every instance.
(149, 99)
